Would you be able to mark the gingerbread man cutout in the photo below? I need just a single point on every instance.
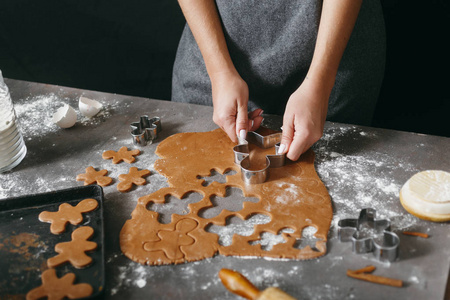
(67, 213)
(170, 241)
(74, 251)
(122, 155)
(134, 176)
(58, 288)
(92, 176)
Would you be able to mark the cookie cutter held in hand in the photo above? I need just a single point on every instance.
(146, 130)
(242, 156)
(353, 230)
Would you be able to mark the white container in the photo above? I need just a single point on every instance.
(12, 146)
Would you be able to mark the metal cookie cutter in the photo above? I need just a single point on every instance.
(242, 158)
(355, 230)
(146, 130)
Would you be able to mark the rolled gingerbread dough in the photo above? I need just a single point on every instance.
(293, 197)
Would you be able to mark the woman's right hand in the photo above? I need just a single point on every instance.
(229, 90)
(230, 102)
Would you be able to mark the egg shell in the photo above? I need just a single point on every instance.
(65, 117)
(89, 107)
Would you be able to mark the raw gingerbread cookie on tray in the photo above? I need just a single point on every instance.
(74, 251)
(293, 198)
(59, 288)
(67, 214)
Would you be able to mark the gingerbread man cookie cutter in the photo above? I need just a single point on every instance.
(384, 248)
(146, 130)
(242, 156)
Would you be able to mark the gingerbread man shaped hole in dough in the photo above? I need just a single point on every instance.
(67, 213)
(308, 239)
(268, 240)
(75, 250)
(236, 226)
(215, 176)
(172, 204)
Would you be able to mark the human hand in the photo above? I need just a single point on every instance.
(230, 102)
(304, 119)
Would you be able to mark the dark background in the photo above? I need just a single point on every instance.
(128, 47)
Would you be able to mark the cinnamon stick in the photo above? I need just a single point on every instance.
(368, 269)
(414, 233)
(361, 274)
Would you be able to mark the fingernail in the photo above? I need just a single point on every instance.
(253, 123)
(281, 149)
(261, 113)
(242, 133)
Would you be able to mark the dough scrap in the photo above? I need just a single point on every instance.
(293, 197)
(122, 155)
(75, 250)
(92, 176)
(58, 288)
(67, 213)
(133, 177)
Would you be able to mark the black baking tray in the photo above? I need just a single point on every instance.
(26, 243)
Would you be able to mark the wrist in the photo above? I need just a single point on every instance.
(219, 65)
(224, 75)
(321, 77)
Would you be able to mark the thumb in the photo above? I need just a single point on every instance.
(242, 121)
(287, 136)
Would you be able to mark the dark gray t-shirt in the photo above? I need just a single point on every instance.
(272, 43)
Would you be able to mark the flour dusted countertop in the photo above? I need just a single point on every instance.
(360, 166)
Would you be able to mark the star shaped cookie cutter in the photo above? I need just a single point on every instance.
(242, 156)
(146, 130)
(355, 230)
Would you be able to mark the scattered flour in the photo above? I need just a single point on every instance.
(141, 283)
(414, 279)
(309, 231)
(132, 274)
(360, 180)
(206, 285)
(35, 113)
(265, 277)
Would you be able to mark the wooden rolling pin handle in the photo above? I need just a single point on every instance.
(238, 284)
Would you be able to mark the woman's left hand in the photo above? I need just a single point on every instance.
(304, 118)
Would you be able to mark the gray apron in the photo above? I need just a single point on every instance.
(272, 43)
